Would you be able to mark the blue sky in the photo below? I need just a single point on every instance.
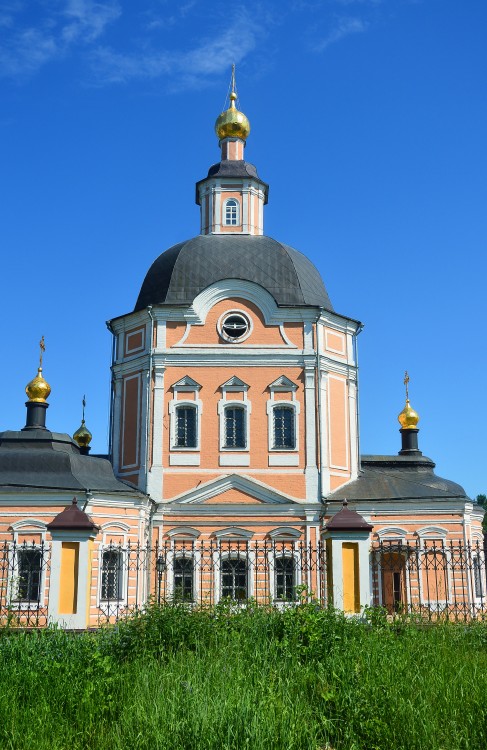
(369, 121)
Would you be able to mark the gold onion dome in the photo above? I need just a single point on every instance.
(232, 123)
(83, 436)
(408, 418)
(38, 389)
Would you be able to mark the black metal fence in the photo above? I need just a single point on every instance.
(201, 574)
(429, 578)
(24, 584)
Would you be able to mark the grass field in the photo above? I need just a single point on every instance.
(304, 678)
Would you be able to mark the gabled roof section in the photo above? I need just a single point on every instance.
(260, 491)
(187, 383)
(235, 383)
(283, 384)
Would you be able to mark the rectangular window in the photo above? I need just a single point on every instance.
(112, 575)
(285, 578)
(235, 427)
(477, 578)
(186, 427)
(234, 579)
(29, 571)
(183, 579)
(284, 432)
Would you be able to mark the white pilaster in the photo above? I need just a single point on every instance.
(352, 415)
(117, 421)
(155, 475)
(144, 426)
(311, 470)
(324, 456)
(245, 210)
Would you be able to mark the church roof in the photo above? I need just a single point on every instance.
(228, 168)
(186, 269)
(397, 478)
(43, 459)
(72, 518)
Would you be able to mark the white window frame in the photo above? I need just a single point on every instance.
(24, 527)
(234, 385)
(183, 386)
(282, 385)
(291, 554)
(227, 314)
(112, 606)
(226, 206)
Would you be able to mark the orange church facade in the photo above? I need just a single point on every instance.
(234, 448)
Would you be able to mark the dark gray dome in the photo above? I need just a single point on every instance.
(183, 271)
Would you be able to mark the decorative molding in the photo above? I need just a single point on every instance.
(252, 487)
(184, 531)
(284, 532)
(186, 384)
(234, 532)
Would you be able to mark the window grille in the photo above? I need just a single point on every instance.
(285, 575)
(477, 578)
(29, 569)
(112, 575)
(284, 427)
(183, 579)
(234, 579)
(235, 427)
(186, 427)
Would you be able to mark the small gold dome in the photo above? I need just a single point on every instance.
(232, 123)
(38, 389)
(408, 418)
(82, 436)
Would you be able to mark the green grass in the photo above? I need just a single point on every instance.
(303, 679)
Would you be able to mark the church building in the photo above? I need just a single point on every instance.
(233, 467)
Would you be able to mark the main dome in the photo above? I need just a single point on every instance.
(186, 269)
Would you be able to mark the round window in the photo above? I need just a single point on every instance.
(234, 327)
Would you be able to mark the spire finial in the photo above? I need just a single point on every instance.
(83, 436)
(408, 418)
(42, 348)
(232, 123)
(38, 389)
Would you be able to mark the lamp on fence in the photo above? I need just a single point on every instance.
(161, 567)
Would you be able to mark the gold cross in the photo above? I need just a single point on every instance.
(43, 349)
(406, 383)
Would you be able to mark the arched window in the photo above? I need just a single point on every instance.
(285, 578)
(183, 579)
(234, 578)
(186, 427)
(283, 425)
(235, 427)
(231, 213)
